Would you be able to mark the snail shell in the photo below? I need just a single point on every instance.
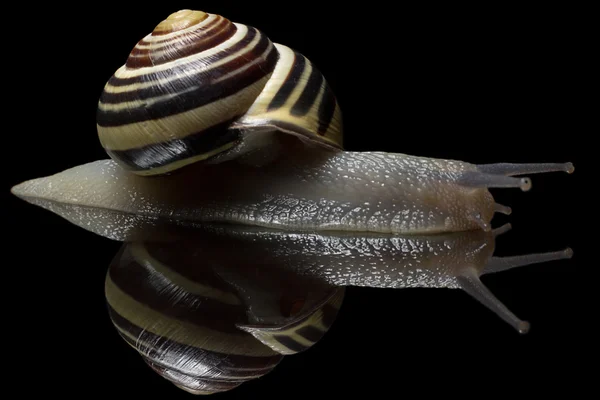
(209, 329)
(200, 86)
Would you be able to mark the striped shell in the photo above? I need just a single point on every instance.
(206, 330)
(200, 85)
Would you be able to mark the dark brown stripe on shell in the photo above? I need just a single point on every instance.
(311, 333)
(291, 81)
(164, 43)
(326, 110)
(224, 364)
(148, 288)
(164, 153)
(290, 343)
(177, 70)
(203, 94)
(190, 75)
(309, 94)
(183, 48)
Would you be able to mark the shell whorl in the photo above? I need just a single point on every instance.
(198, 84)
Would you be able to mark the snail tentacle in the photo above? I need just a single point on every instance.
(476, 179)
(500, 264)
(502, 209)
(500, 175)
(528, 168)
(469, 282)
(501, 230)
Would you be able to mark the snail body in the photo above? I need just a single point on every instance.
(213, 110)
(307, 191)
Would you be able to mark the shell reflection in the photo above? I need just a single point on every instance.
(208, 318)
(207, 327)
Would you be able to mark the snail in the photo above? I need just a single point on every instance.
(210, 121)
(209, 329)
(208, 319)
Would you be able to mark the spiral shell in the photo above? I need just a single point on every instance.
(199, 85)
(208, 331)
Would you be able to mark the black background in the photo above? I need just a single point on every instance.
(498, 84)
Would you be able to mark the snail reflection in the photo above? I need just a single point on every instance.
(208, 319)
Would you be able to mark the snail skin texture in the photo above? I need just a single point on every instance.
(209, 121)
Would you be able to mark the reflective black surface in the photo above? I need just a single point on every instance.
(500, 85)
